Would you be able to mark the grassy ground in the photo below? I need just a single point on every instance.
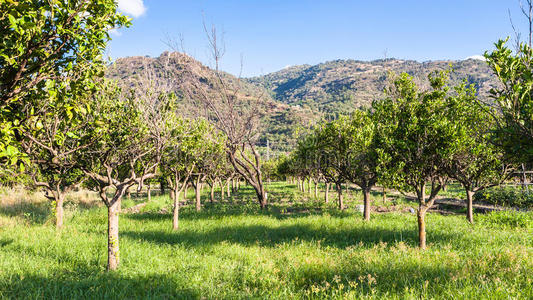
(299, 248)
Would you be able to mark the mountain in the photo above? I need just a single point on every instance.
(295, 98)
(280, 123)
(340, 86)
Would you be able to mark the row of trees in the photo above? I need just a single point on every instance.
(119, 139)
(63, 124)
(412, 141)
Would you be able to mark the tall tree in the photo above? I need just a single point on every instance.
(514, 99)
(44, 40)
(131, 139)
(235, 113)
(413, 137)
(476, 162)
(56, 129)
(363, 167)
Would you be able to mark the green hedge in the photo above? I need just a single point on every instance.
(506, 196)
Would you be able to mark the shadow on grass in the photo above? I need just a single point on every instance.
(5, 242)
(273, 236)
(75, 284)
(220, 210)
(70, 285)
(38, 213)
(34, 213)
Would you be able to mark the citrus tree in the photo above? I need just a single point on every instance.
(45, 40)
(55, 130)
(514, 99)
(414, 132)
(362, 156)
(184, 150)
(131, 136)
(476, 162)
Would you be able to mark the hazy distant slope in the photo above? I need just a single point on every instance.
(343, 85)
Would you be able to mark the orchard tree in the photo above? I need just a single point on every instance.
(208, 161)
(476, 162)
(226, 177)
(56, 129)
(363, 167)
(514, 99)
(233, 112)
(180, 156)
(331, 150)
(413, 138)
(41, 41)
(132, 135)
(216, 164)
(305, 164)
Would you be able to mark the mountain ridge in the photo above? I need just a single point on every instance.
(297, 97)
(340, 86)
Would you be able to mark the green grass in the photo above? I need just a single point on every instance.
(299, 248)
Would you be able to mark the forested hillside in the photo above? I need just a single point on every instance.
(340, 86)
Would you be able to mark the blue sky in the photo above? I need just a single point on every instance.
(273, 34)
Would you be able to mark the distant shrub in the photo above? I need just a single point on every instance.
(506, 196)
(507, 219)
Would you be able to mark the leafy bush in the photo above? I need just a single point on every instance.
(506, 196)
(507, 219)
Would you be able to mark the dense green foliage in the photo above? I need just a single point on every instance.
(42, 43)
(514, 98)
(506, 196)
(507, 219)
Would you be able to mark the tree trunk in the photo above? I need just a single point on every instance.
(262, 198)
(421, 227)
(384, 194)
(228, 190)
(162, 186)
(176, 210)
(198, 189)
(149, 192)
(186, 191)
(261, 195)
(222, 192)
(469, 206)
(59, 209)
(112, 236)
(316, 188)
(339, 193)
(326, 194)
(212, 193)
(366, 197)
